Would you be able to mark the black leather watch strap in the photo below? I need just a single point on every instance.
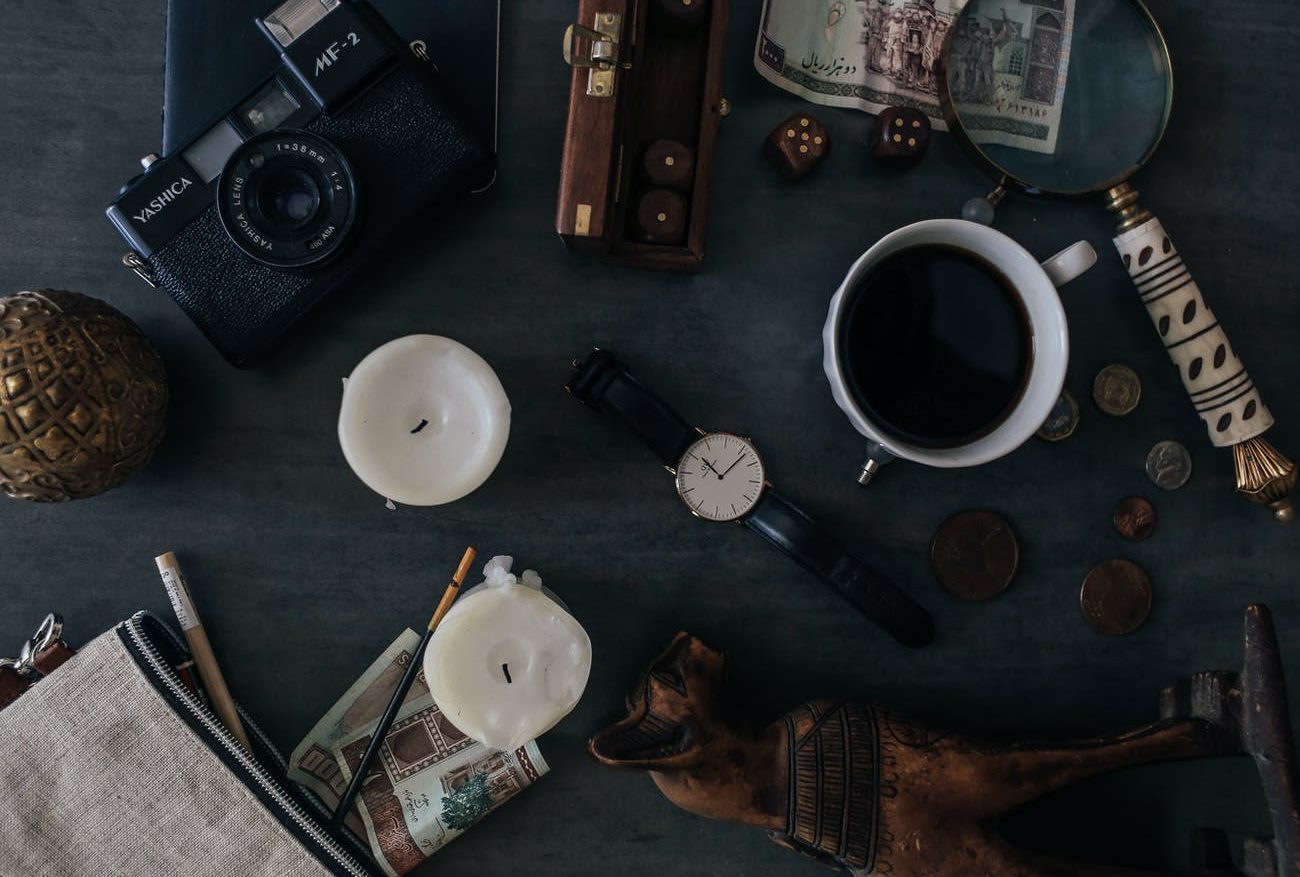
(818, 550)
(603, 382)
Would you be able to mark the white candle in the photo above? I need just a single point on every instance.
(507, 662)
(424, 420)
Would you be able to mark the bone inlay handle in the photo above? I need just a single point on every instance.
(1218, 384)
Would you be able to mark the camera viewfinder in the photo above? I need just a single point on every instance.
(268, 108)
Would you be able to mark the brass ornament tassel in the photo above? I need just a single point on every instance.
(1265, 476)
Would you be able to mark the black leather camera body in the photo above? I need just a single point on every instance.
(299, 187)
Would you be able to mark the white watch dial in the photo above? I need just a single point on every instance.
(720, 476)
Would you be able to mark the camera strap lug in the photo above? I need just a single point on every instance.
(133, 261)
(601, 54)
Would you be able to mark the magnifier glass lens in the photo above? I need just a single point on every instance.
(1063, 98)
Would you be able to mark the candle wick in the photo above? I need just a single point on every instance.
(505, 668)
(423, 424)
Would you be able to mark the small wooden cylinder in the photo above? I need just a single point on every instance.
(669, 164)
(661, 217)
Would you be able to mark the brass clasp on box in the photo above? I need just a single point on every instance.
(601, 53)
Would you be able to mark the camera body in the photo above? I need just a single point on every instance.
(300, 186)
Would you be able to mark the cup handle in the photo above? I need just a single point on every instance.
(1070, 263)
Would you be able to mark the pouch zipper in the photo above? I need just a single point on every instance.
(137, 640)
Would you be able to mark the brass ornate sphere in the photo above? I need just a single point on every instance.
(83, 396)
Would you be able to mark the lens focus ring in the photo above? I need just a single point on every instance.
(287, 198)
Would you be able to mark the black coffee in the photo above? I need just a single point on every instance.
(935, 346)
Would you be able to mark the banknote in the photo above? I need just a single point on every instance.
(313, 764)
(1007, 68)
(867, 54)
(1007, 64)
(429, 782)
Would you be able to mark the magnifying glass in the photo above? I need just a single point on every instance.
(1065, 99)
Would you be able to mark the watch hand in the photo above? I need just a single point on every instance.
(732, 466)
(710, 465)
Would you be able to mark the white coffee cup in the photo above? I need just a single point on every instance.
(1032, 283)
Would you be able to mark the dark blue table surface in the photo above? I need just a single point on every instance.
(302, 574)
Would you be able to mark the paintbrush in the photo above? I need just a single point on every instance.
(404, 686)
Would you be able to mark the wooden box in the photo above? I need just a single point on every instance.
(644, 71)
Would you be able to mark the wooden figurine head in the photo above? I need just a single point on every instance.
(708, 762)
(678, 729)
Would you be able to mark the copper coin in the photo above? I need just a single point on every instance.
(975, 555)
(1116, 390)
(1062, 420)
(1135, 518)
(1115, 597)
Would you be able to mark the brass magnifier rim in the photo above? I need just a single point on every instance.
(1005, 178)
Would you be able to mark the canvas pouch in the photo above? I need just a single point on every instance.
(111, 765)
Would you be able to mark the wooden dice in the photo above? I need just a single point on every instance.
(900, 136)
(661, 212)
(669, 164)
(661, 217)
(797, 146)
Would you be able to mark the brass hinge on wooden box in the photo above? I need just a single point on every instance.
(601, 53)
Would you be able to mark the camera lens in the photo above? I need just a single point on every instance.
(287, 198)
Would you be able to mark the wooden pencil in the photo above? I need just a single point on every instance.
(200, 649)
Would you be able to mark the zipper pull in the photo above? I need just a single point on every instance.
(133, 261)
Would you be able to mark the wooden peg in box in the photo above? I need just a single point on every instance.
(644, 71)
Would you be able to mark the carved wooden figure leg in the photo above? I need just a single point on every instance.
(940, 794)
(1006, 779)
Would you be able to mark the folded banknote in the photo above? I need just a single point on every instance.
(1006, 63)
(429, 783)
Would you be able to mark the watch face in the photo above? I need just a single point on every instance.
(720, 476)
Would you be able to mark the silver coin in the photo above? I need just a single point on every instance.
(1063, 419)
(1117, 390)
(1169, 465)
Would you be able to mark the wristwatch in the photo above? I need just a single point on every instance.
(720, 476)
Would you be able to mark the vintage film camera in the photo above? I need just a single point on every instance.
(302, 184)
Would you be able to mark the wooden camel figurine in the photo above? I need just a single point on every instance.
(858, 786)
